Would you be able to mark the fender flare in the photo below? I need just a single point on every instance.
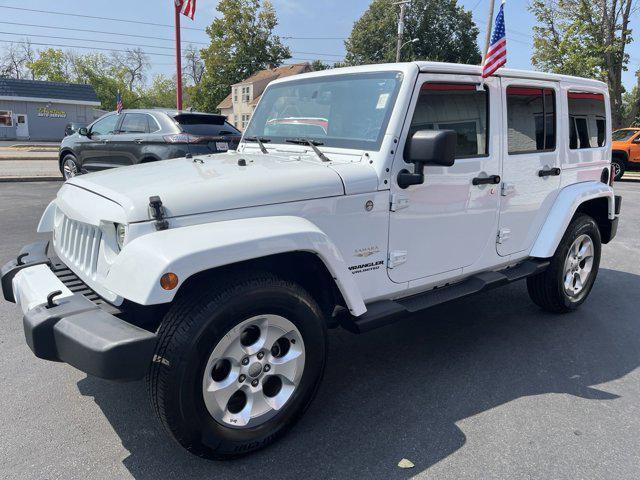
(563, 210)
(135, 273)
(48, 216)
(623, 153)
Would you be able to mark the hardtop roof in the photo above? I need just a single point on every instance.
(451, 68)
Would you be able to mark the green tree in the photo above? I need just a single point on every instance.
(161, 93)
(242, 42)
(318, 65)
(51, 65)
(587, 39)
(445, 31)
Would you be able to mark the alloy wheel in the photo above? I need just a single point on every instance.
(578, 265)
(253, 371)
(69, 168)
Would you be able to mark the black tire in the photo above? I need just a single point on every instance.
(618, 167)
(69, 158)
(547, 288)
(188, 335)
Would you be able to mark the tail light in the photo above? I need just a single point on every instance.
(182, 138)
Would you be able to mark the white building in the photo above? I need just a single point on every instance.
(240, 103)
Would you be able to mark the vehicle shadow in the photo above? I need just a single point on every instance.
(399, 391)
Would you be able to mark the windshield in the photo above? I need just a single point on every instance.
(345, 111)
(623, 135)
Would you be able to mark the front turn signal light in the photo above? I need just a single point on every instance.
(169, 281)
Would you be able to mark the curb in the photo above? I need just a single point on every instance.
(30, 179)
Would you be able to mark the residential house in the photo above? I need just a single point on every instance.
(240, 103)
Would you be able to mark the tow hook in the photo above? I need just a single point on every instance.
(156, 211)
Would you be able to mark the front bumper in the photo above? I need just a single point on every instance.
(69, 327)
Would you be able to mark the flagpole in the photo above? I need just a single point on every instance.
(178, 59)
(488, 33)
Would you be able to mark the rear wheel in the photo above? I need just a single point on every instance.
(618, 166)
(566, 284)
(236, 367)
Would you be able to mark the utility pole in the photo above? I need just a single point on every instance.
(403, 5)
(487, 38)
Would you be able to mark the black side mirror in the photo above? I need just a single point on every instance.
(83, 131)
(428, 147)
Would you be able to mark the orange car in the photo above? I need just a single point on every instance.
(626, 150)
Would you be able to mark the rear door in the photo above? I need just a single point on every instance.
(531, 161)
(128, 144)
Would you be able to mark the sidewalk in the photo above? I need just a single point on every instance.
(29, 170)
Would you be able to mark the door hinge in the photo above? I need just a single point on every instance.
(507, 189)
(397, 257)
(503, 235)
(398, 202)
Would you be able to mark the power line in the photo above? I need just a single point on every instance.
(89, 40)
(94, 17)
(127, 51)
(140, 45)
(100, 32)
(151, 24)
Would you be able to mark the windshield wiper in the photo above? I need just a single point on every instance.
(260, 141)
(312, 143)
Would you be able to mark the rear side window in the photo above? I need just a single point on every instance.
(135, 123)
(206, 125)
(455, 106)
(531, 118)
(587, 120)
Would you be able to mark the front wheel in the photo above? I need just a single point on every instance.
(566, 284)
(69, 167)
(236, 366)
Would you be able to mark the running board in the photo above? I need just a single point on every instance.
(385, 312)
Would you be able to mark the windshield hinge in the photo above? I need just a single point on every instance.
(398, 202)
(503, 235)
(397, 257)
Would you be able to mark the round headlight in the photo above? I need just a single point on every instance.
(121, 234)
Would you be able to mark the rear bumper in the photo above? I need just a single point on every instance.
(71, 328)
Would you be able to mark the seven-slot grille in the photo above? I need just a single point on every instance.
(78, 245)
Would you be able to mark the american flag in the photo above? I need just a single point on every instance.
(119, 104)
(187, 7)
(497, 53)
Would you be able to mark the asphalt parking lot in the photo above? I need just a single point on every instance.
(488, 387)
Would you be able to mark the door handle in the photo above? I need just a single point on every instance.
(138, 141)
(551, 172)
(490, 180)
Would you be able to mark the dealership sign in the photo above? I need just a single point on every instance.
(51, 113)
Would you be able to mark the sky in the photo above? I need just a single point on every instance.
(318, 28)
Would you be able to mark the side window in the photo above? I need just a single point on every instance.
(587, 120)
(105, 126)
(531, 119)
(454, 106)
(135, 123)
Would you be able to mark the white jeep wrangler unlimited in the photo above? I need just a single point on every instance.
(357, 195)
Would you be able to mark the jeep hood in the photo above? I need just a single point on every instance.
(213, 183)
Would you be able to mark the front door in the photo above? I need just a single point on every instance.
(531, 166)
(22, 126)
(95, 150)
(447, 223)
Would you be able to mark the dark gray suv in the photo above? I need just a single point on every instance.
(138, 136)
